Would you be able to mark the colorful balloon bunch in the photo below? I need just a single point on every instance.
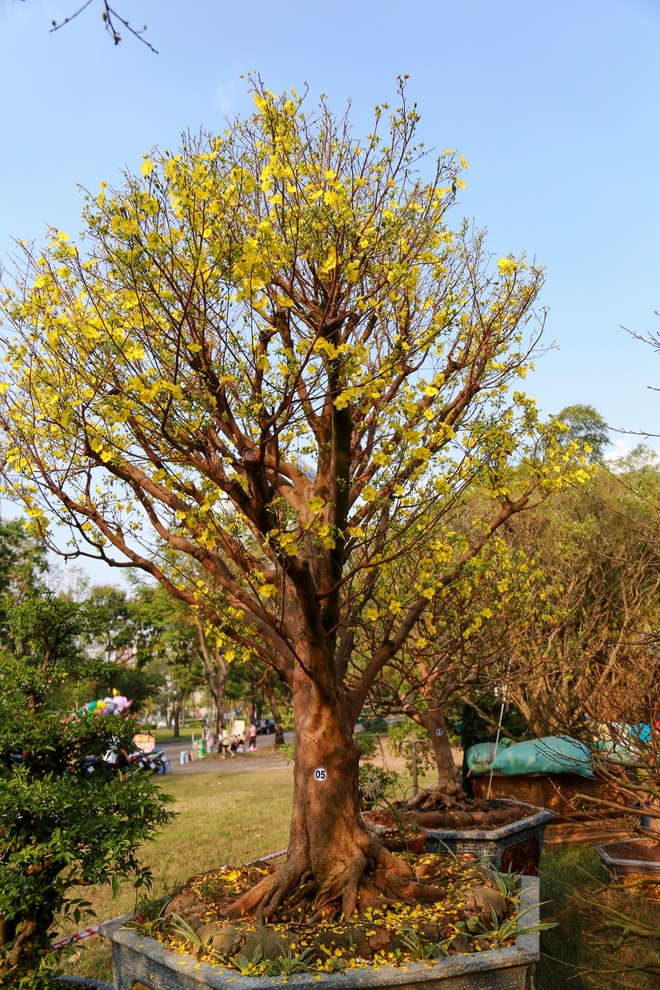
(117, 705)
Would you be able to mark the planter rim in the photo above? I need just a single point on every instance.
(86, 982)
(628, 865)
(541, 817)
(525, 951)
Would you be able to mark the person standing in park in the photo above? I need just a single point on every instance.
(252, 736)
(225, 744)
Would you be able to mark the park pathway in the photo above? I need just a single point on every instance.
(265, 757)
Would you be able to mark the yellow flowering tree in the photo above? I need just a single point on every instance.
(471, 640)
(272, 357)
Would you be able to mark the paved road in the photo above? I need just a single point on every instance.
(265, 758)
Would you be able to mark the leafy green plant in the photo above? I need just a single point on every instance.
(397, 741)
(508, 884)
(375, 783)
(420, 949)
(288, 751)
(65, 822)
(180, 927)
(284, 965)
(292, 963)
(507, 929)
(150, 909)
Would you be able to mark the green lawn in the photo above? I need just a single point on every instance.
(167, 735)
(228, 819)
(565, 943)
(586, 935)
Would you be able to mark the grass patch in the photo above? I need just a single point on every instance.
(220, 819)
(609, 930)
(167, 735)
(566, 944)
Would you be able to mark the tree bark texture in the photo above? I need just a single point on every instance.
(329, 848)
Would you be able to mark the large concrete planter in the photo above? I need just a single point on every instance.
(144, 964)
(516, 846)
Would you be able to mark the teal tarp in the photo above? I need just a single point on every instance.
(481, 755)
(550, 754)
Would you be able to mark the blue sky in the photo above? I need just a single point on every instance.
(554, 104)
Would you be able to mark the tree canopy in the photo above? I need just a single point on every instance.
(587, 426)
(274, 351)
(272, 372)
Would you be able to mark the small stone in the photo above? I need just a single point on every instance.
(484, 900)
(181, 903)
(227, 940)
(273, 944)
(380, 940)
(206, 930)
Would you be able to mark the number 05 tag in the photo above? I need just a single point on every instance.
(320, 774)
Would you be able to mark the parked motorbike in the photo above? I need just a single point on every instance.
(121, 762)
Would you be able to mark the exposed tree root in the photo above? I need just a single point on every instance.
(265, 897)
(447, 793)
(369, 876)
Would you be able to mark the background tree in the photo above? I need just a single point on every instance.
(598, 549)
(60, 828)
(165, 651)
(464, 648)
(112, 20)
(23, 567)
(588, 428)
(280, 295)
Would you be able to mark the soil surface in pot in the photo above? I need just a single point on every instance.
(643, 849)
(467, 910)
(468, 814)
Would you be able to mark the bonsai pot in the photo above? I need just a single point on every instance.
(393, 838)
(633, 857)
(142, 963)
(82, 983)
(516, 846)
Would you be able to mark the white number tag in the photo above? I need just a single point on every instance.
(439, 732)
(320, 774)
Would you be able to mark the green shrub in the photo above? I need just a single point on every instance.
(62, 826)
(399, 746)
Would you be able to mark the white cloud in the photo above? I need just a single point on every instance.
(622, 444)
(223, 96)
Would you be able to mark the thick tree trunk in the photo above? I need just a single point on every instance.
(217, 686)
(448, 789)
(275, 709)
(329, 848)
(449, 775)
